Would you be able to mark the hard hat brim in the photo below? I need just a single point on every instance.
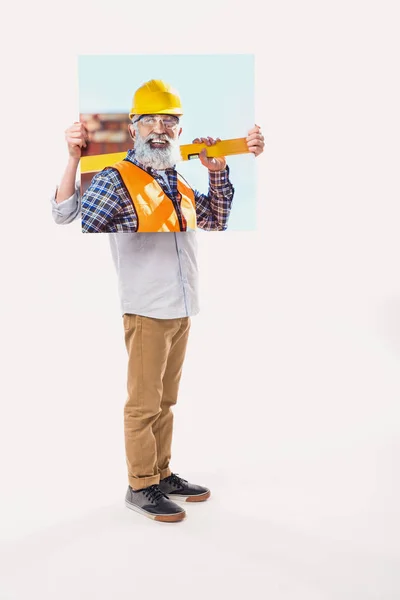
(168, 111)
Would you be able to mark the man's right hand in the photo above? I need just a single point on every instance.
(77, 137)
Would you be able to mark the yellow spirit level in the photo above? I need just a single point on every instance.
(222, 148)
(93, 164)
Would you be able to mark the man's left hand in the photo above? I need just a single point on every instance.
(212, 164)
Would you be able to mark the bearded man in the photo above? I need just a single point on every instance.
(156, 264)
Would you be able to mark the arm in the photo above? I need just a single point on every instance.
(67, 210)
(97, 207)
(66, 204)
(99, 203)
(213, 209)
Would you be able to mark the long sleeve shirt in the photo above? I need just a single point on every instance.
(157, 272)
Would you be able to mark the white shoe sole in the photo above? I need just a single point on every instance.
(169, 518)
(198, 498)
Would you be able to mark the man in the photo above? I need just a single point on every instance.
(157, 275)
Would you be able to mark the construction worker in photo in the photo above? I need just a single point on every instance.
(151, 214)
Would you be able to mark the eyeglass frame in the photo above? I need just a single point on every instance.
(160, 118)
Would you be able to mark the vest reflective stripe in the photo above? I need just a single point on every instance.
(154, 209)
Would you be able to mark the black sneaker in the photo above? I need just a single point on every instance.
(154, 504)
(177, 488)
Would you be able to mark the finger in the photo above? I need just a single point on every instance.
(196, 141)
(257, 136)
(76, 130)
(78, 127)
(83, 132)
(204, 158)
(255, 129)
(255, 149)
(75, 141)
(255, 142)
(74, 133)
(73, 128)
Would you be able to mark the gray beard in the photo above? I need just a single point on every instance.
(156, 158)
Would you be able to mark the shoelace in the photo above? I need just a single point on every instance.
(153, 493)
(175, 480)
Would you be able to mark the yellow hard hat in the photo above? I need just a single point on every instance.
(156, 97)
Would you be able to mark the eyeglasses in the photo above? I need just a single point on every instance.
(169, 122)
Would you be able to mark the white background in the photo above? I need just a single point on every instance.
(289, 404)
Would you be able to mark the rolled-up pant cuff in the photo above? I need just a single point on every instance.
(138, 483)
(165, 473)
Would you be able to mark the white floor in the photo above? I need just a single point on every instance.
(310, 540)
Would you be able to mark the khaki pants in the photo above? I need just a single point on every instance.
(156, 351)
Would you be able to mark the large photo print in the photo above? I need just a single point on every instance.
(169, 143)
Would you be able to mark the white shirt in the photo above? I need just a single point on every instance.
(157, 272)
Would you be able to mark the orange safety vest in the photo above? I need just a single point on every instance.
(154, 209)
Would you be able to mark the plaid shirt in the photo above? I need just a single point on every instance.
(106, 206)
